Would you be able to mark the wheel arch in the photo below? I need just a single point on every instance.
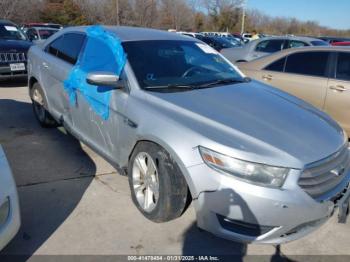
(32, 80)
(172, 154)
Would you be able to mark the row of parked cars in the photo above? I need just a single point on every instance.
(260, 165)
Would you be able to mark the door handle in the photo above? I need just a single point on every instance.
(267, 77)
(339, 88)
(45, 65)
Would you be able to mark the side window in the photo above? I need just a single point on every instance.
(67, 47)
(73, 44)
(295, 43)
(343, 67)
(308, 63)
(270, 46)
(55, 46)
(277, 66)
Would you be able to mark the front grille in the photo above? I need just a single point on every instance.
(12, 57)
(322, 177)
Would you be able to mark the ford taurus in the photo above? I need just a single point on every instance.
(185, 124)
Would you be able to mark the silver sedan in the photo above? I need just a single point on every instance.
(185, 124)
(268, 45)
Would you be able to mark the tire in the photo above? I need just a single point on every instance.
(173, 194)
(39, 107)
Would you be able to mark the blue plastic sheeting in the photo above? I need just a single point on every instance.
(103, 52)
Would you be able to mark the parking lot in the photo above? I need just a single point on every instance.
(73, 202)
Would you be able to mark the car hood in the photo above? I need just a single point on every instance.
(14, 45)
(255, 122)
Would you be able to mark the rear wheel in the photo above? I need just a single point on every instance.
(39, 107)
(157, 185)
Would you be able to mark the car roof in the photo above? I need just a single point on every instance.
(127, 33)
(260, 62)
(316, 48)
(43, 28)
(301, 38)
(333, 37)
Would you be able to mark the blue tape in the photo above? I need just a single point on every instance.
(103, 52)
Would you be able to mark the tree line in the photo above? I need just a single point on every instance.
(182, 15)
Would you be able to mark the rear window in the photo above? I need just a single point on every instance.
(67, 47)
(307, 63)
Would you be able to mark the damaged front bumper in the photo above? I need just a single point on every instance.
(243, 212)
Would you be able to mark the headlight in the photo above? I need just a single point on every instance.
(254, 173)
(4, 211)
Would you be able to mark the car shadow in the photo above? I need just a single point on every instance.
(51, 170)
(9, 83)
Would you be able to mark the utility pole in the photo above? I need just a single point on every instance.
(117, 10)
(244, 3)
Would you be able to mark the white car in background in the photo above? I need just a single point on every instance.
(9, 206)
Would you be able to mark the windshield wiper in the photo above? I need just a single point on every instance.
(181, 87)
(172, 86)
(224, 82)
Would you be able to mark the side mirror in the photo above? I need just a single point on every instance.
(103, 79)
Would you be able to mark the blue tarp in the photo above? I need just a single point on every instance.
(103, 52)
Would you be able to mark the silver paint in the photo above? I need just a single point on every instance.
(249, 121)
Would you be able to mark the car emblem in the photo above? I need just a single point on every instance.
(339, 171)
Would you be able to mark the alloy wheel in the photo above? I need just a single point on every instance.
(145, 181)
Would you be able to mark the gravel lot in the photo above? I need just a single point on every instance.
(73, 202)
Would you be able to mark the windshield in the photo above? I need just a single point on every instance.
(10, 32)
(46, 33)
(177, 63)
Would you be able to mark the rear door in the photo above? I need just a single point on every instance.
(338, 93)
(62, 55)
(305, 75)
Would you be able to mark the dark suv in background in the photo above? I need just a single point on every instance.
(14, 46)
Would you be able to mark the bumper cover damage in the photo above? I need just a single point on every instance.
(247, 213)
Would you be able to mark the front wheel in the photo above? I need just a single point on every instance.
(39, 107)
(157, 185)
